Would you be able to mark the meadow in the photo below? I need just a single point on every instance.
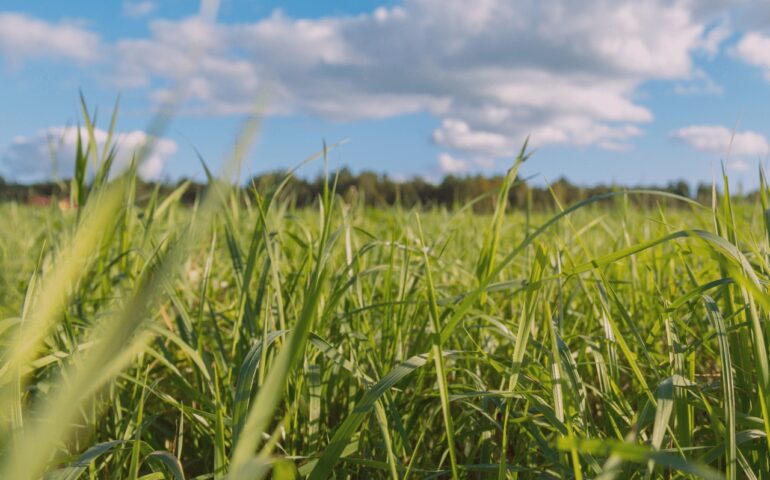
(244, 338)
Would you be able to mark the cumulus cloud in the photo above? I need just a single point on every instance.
(457, 134)
(138, 8)
(754, 49)
(720, 140)
(23, 37)
(51, 153)
(493, 71)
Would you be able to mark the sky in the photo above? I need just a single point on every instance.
(623, 91)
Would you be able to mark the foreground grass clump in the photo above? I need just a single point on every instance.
(144, 339)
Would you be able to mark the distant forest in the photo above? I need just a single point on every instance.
(380, 190)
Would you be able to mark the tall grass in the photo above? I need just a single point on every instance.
(240, 339)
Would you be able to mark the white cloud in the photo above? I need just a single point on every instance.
(699, 83)
(712, 41)
(23, 37)
(133, 8)
(738, 165)
(720, 140)
(754, 49)
(51, 153)
(449, 164)
(493, 71)
(176, 51)
(457, 135)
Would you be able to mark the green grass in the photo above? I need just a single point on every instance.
(144, 339)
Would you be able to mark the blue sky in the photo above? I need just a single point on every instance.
(608, 91)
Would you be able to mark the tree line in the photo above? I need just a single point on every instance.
(379, 190)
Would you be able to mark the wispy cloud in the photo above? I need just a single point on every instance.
(51, 153)
(711, 42)
(720, 140)
(132, 8)
(699, 83)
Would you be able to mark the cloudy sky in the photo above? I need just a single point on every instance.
(607, 90)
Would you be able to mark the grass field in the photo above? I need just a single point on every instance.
(145, 339)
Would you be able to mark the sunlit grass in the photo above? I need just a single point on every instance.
(145, 339)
